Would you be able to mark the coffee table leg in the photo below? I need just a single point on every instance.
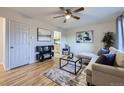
(59, 63)
(81, 63)
(75, 69)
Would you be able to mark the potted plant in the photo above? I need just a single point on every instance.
(108, 40)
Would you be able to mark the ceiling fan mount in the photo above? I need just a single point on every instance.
(68, 13)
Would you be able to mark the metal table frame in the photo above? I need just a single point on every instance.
(68, 62)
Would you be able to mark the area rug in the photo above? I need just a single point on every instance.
(64, 78)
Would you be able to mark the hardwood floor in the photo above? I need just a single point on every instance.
(29, 75)
(1, 68)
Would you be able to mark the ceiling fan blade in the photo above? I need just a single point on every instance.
(65, 21)
(75, 17)
(79, 10)
(63, 9)
(59, 16)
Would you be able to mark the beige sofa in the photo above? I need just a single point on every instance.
(103, 75)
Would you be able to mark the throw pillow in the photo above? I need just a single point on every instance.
(120, 59)
(102, 51)
(110, 59)
(101, 59)
(106, 59)
(113, 50)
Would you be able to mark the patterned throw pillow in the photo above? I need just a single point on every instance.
(106, 59)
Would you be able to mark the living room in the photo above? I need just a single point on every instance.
(81, 32)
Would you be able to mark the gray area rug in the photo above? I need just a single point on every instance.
(64, 78)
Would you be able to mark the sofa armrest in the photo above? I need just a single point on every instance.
(116, 71)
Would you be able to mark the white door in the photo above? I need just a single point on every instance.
(19, 46)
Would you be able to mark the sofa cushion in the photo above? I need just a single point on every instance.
(85, 61)
(106, 59)
(113, 50)
(110, 58)
(88, 56)
(111, 70)
(102, 51)
(120, 59)
(101, 59)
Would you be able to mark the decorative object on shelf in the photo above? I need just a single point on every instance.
(44, 52)
(66, 50)
(71, 55)
(43, 35)
(108, 40)
(84, 37)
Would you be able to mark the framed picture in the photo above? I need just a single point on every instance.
(43, 35)
(84, 37)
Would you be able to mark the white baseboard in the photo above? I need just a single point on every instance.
(31, 62)
(4, 66)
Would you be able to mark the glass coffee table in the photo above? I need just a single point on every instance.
(75, 62)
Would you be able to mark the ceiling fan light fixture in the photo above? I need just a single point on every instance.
(69, 13)
(68, 16)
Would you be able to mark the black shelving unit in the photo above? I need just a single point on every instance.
(44, 52)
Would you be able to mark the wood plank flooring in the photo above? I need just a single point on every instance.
(1, 68)
(29, 75)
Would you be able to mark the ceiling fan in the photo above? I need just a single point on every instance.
(68, 13)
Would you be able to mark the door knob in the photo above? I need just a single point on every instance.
(11, 47)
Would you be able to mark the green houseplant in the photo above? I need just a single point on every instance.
(108, 40)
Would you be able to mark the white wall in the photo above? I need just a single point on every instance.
(98, 31)
(1, 41)
(63, 39)
(33, 24)
(67, 36)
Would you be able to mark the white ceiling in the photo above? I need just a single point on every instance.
(90, 15)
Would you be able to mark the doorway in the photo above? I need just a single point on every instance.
(57, 44)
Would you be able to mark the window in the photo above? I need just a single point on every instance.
(120, 32)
